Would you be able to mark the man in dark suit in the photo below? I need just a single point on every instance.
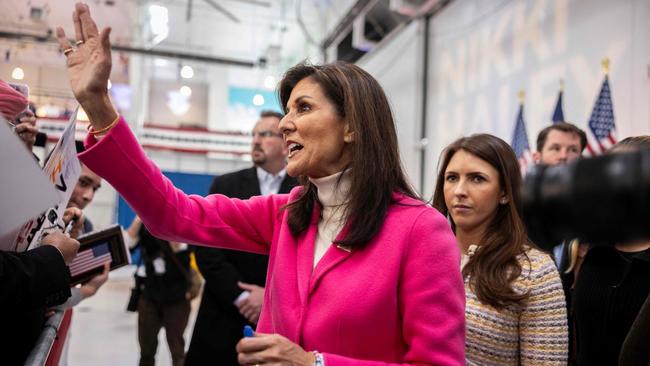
(558, 144)
(31, 282)
(234, 281)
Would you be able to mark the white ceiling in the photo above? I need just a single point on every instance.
(209, 32)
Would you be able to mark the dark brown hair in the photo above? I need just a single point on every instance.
(375, 170)
(632, 143)
(562, 127)
(494, 266)
(270, 113)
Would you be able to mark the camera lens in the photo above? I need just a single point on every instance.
(603, 200)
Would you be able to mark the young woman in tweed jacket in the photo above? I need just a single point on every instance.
(515, 307)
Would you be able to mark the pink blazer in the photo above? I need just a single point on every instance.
(399, 300)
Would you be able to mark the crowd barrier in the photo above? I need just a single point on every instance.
(50, 344)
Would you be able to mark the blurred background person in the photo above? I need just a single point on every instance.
(234, 280)
(84, 193)
(557, 144)
(560, 143)
(164, 302)
(611, 286)
(515, 311)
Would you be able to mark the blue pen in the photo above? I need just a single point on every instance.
(248, 331)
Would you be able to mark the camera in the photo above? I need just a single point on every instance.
(601, 201)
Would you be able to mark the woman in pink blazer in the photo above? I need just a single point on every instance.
(361, 272)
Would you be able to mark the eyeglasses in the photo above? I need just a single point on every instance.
(266, 133)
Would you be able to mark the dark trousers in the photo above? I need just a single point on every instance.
(151, 317)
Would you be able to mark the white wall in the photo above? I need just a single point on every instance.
(396, 64)
(483, 52)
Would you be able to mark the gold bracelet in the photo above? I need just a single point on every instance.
(105, 129)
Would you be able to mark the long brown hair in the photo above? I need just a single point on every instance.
(375, 170)
(494, 266)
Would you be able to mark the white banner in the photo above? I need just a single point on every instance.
(63, 170)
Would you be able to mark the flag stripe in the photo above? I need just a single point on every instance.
(602, 127)
(520, 142)
(90, 259)
(96, 263)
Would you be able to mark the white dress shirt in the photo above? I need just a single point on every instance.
(269, 183)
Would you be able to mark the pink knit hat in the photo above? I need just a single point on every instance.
(11, 102)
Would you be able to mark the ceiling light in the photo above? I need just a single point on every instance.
(186, 91)
(187, 72)
(18, 73)
(258, 100)
(160, 62)
(269, 82)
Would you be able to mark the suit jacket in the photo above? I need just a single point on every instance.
(219, 324)
(29, 283)
(397, 301)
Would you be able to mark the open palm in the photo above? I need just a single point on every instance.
(89, 65)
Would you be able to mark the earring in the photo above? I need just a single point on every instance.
(503, 201)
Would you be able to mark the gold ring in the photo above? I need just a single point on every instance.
(68, 50)
(79, 42)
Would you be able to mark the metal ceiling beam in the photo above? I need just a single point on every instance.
(345, 23)
(48, 38)
(223, 11)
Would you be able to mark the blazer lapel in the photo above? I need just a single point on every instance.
(334, 255)
(305, 257)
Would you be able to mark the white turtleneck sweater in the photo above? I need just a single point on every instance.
(332, 195)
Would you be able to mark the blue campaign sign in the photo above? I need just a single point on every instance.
(188, 183)
(242, 98)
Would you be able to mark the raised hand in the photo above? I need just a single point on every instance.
(89, 66)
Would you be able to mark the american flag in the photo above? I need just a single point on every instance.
(558, 113)
(602, 129)
(520, 142)
(92, 258)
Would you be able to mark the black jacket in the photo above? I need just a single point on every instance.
(30, 282)
(608, 294)
(169, 287)
(219, 325)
